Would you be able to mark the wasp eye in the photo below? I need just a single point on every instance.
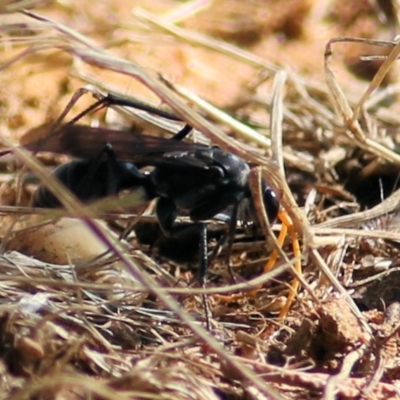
(271, 203)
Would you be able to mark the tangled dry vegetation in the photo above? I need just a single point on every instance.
(79, 322)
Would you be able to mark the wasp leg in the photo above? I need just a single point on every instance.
(287, 226)
(182, 133)
(231, 238)
(115, 100)
(93, 179)
(107, 155)
(118, 176)
(166, 214)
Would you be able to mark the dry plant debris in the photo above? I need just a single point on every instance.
(130, 324)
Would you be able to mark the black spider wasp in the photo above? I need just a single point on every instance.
(200, 180)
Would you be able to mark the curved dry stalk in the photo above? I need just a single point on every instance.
(346, 112)
(276, 119)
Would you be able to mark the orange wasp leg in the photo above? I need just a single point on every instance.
(287, 226)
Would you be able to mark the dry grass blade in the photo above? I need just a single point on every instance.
(11, 6)
(277, 119)
(331, 389)
(244, 131)
(380, 75)
(348, 115)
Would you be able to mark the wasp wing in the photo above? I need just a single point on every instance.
(83, 141)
